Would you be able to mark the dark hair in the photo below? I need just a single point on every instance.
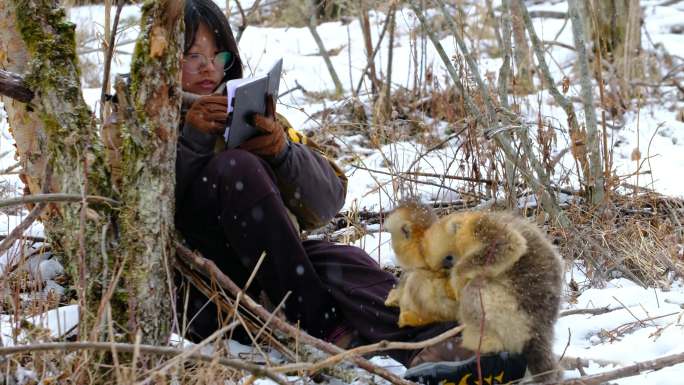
(207, 12)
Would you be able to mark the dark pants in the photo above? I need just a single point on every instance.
(234, 212)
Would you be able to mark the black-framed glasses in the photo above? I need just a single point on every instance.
(194, 62)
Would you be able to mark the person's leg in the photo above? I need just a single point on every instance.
(233, 214)
(359, 287)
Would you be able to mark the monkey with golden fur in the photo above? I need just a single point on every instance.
(504, 269)
(423, 295)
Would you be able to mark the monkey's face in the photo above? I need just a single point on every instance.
(451, 240)
(406, 238)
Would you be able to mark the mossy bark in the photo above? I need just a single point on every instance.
(72, 146)
(66, 136)
(149, 137)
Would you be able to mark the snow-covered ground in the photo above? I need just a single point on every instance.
(646, 323)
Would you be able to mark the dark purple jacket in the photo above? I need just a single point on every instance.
(312, 186)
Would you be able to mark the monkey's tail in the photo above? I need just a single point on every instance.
(541, 361)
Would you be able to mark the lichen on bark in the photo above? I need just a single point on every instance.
(74, 150)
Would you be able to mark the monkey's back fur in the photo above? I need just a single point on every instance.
(515, 276)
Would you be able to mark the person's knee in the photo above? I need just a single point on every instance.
(240, 177)
(241, 167)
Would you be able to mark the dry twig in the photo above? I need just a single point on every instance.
(56, 197)
(362, 350)
(627, 371)
(209, 269)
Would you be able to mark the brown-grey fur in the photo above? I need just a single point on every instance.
(537, 281)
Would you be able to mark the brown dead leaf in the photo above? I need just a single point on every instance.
(636, 155)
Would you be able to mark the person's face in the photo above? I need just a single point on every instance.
(202, 80)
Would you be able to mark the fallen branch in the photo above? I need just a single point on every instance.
(147, 349)
(627, 371)
(596, 311)
(362, 350)
(209, 269)
(571, 363)
(55, 197)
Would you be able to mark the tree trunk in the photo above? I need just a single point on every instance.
(615, 30)
(615, 26)
(521, 53)
(71, 145)
(595, 179)
(149, 173)
(367, 40)
(129, 273)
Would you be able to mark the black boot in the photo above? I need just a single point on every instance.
(497, 368)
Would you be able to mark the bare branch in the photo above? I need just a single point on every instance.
(489, 119)
(321, 48)
(55, 197)
(209, 269)
(371, 58)
(33, 215)
(627, 371)
(596, 311)
(548, 14)
(376, 347)
(13, 86)
(108, 57)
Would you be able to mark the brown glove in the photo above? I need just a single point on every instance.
(208, 114)
(272, 141)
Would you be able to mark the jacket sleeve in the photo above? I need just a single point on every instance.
(313, 187)
(195, 150)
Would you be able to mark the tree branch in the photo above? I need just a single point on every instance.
(321, 48)
(14, 86)
(596, 181)
(490, 120)
(627, 371)
(376, 347)
(209, 269)
(108, 57)
(56, 197)
(596, 311)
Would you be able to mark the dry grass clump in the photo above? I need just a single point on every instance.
(640, 238)
(57, 367)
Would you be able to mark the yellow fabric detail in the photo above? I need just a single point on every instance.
(464, 380)
(297, 137)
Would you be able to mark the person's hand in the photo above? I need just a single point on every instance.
(208, 114)
(272, 141)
